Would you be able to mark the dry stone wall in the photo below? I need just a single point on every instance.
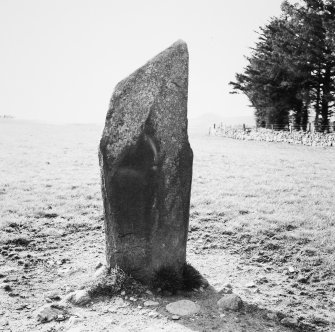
(268, 135)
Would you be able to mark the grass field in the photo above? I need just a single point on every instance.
(268, 188)
(268, 203)
(249, 187)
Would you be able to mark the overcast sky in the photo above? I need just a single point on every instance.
(61, 59)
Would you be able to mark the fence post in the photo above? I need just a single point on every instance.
(244, 127)
(272, 127)
(290, 128)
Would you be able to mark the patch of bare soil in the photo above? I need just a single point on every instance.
(46, 267)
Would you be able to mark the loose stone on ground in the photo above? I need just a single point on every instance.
(51, 312)
(79, 297)
(183, 308)
(150, 303)
(230, 302)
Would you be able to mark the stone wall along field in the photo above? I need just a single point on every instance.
(268, 135)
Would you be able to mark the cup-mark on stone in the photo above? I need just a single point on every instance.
(230, 302)
(183, 308)
(146, 167)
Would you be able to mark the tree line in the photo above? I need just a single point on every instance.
(290, 76)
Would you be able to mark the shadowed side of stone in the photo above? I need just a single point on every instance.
(146, 167)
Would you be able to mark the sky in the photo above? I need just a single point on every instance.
(61, 59)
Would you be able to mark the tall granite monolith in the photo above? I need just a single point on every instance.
(146, 167)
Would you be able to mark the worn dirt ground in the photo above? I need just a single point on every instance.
(261, 220)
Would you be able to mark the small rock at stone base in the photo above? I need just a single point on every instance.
(49, 312)
(150, 303)
(60, 318)
(74, 321)
(271, 316)
(149, 292)
(183, 308)
(5, 287)
(175, 317)
(98, 266)
(52, 296)
(68, 289)
(225, 290)
(102, 270)
(333, 299)
(119, 303)
(302, 279)
(79, 297)
(291, 269)
(204, 282)
(230, 302)
(153, 314)
(262, 280)
(289, 322)
(250, 285)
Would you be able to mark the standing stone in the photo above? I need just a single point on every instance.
(146, 167)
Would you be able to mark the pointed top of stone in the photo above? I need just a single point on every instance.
(160, 87)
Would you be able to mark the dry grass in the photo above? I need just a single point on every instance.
(258, 188)
(48, 173)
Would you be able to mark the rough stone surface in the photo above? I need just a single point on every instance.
(230, 302)
(146, 167)
(183, 308)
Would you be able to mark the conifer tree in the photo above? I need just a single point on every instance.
(291, 70)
